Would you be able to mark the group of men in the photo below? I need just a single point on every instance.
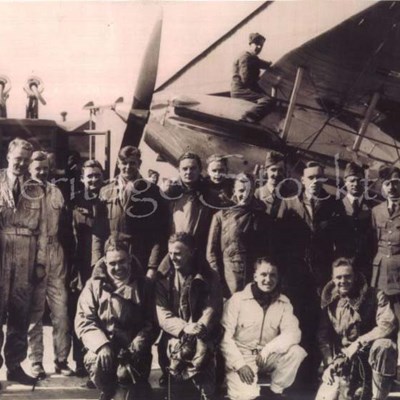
(225, 272)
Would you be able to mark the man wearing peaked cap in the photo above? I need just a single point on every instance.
(274, 169)
(356, 224)
(386, 224)
(256, 38)
(246, 72)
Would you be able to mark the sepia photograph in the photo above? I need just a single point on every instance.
(200, 200)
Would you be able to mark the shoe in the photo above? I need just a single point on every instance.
(38, 371)
(163, 381)
(270, 395)
(90, 384)
(18, 375)
(80, 371)
(62, 368)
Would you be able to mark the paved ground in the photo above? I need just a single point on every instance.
(61, 388)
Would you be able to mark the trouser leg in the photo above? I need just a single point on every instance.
(235, 275)
(238, 390)
(396, 309)
(105, 381)
(22, 256)
(35, 332)
(57, 301)
(205, 379)
(284, 367)
(382, 357)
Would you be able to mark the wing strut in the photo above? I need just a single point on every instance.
(292, 103)
(366, 121)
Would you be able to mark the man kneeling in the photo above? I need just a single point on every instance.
(116, 320)
(353, 336)
(261, 334)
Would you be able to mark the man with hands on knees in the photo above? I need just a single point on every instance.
(261, 335)
(116, 321)
(354, 335)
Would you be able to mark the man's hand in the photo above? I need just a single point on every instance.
(40, 272)
(352, 349)
(137, 344)
(195, 328)
(105, 357)
(151, 273)
(73, 285)
(246, 374)
(264, 354)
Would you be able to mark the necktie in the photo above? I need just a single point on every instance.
(16, 191)
(393, 208)
(356, 208)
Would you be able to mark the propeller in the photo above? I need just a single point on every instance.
(144, 89)
(5, 87)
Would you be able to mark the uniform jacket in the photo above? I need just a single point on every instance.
(204, 303)
(386, 264)
(357, 238)
(239, 234)
(137, 210)
(218, 196)
(313, 239)
(249, 327)
(189, 211)
(246, 73)
(83, 213)
(272, 204)
(366, 314)
(27, 217)
(116, 316)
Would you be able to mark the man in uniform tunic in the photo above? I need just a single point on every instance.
(23, 254)
(386, 224)
(133, 206)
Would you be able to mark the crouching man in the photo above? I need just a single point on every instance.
(353, 336)
(189, 307)
(261, 335)
(116, 320)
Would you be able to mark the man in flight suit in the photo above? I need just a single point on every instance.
(23, 254)
(53, 287)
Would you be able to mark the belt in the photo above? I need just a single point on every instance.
(19, 232)
(254, 352)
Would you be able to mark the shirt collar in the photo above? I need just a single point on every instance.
(352, 198)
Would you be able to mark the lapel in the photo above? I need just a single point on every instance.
(304, 213)
(348, 207)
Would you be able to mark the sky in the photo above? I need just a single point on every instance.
(92, 51)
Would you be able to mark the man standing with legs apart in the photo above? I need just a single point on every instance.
(23, 254)
(53, 286)
(261, 335)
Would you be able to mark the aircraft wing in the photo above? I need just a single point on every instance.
(343, 68)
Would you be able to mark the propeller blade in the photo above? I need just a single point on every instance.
(148, 72)
(144, 88)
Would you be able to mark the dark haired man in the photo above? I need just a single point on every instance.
(354, 335)
(83, 214)
(189, 306)
(115, 320)
(261, 334)
(189, 211)
(133, 206)
(312, 218)
(246, 73)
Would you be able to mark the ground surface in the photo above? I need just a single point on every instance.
(73, 388)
